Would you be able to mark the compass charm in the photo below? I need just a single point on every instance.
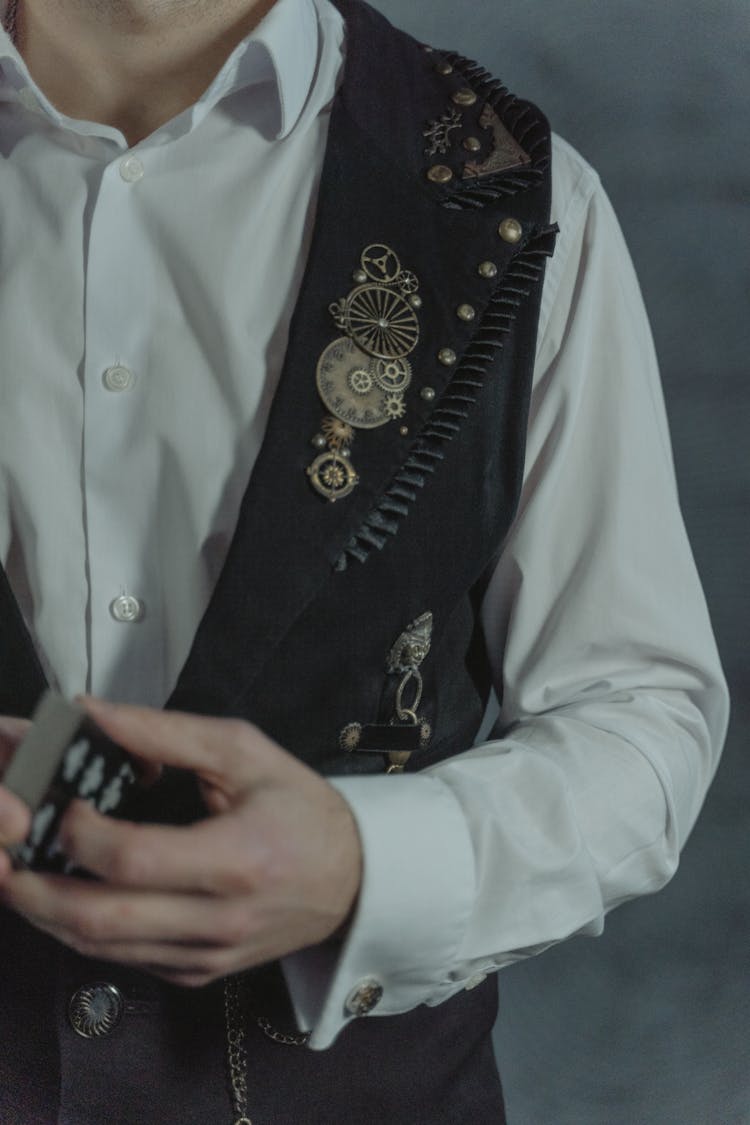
(332, 475)
(362, 375)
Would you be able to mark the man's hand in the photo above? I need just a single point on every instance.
(275, 868)
(15, 819)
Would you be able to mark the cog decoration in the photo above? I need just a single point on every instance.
(363, 374)
(394, 405)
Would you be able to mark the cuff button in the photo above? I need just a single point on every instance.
(475, 981)
(364, 997)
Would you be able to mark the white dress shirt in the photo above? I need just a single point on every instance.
(144, 316)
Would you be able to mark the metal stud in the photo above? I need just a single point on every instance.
(447, 357)
(466, 312)
(510, 230)
(415, 301)
(472, 144)
(444, 68)
(404, 431)
(487, 270)
(319, 442)
(428, 394)
(440, 174)
(465, 97)
(360, 277)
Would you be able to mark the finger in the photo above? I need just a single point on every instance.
(219, 749)
(212, 856)
(11, 732)
(98, 920)
(13, 729)
(15, 819)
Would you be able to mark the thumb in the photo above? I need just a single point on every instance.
(11, 733)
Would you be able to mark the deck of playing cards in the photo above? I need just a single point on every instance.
(64, 755)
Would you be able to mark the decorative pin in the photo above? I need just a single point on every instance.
(438, 132)
(506, 152)
(412, 646)
(363, 374)
(407, 730)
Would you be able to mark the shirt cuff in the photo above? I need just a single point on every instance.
(417, 892)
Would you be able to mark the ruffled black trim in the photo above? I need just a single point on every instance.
(456, 402)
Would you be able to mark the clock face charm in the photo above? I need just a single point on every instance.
(362, 374)
(359, 389)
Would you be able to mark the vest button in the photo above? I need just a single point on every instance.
(466, 313)
(510, 230)
(95, 1010)
(440, 174)
(465, 97)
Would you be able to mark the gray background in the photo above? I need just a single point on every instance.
(650, 1024)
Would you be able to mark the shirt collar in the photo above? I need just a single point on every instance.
(282, 49)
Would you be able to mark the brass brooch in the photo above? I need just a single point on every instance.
(363, 374)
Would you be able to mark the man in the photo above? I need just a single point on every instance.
(320, 272)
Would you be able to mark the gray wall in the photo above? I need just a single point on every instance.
(650, 1024)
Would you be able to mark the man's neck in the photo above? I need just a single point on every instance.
(132, 64)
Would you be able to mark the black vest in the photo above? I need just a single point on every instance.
(314, 594)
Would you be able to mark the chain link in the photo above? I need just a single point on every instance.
(236, 1049)
(268, 1029)
(236, 1052)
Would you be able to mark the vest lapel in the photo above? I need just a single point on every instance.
(374, 189)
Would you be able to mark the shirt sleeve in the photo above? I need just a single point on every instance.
(614, 708)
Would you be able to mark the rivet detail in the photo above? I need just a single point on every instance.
(510, 230)
(404, 431)
(466, 313)
(465, 97)
(444, 68)
(440, 174)
(360, 277)
(487, 270)
(428, 394)
(447, 357)
(472, 144)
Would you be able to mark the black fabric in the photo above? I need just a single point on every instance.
(299, 628)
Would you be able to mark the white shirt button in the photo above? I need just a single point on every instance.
(475, 981)
(131, 169)
(118, 378)
(126, 609)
